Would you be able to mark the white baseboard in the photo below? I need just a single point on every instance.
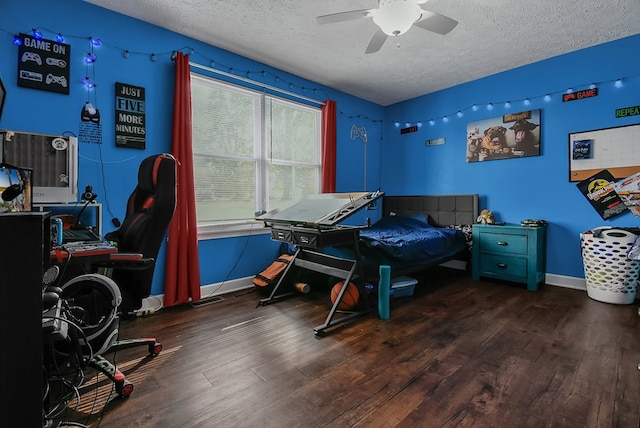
(154, 303)
(566, 281)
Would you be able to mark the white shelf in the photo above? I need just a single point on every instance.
(75, 209)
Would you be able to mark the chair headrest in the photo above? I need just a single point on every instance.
(148, 171)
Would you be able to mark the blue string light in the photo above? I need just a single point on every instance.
(91, 58)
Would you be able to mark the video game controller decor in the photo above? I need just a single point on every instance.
(43, 64)
(360, 133)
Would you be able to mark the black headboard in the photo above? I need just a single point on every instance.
(443, 210)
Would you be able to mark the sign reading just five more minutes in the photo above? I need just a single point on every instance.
(130, 116)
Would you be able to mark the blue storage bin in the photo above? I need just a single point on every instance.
(402, 286)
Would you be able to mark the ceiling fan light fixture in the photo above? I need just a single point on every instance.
(395, 17)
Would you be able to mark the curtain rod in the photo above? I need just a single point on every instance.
(253, 82)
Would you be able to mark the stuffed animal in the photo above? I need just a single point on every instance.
(486, 217)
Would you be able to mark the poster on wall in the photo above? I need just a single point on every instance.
(43, 64)
(131, 125)
(506, 137)
(629, 191)
(599, 189)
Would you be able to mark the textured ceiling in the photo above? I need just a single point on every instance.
(492, 36)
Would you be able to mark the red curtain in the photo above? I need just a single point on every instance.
(183, 264)
(329, 147)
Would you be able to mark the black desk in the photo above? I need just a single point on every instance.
(24, 248)
(309, 238)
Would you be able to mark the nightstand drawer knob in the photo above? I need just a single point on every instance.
(502, 265)
(502, 243)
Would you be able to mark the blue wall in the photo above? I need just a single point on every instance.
(517, 189)
(535, 187)
(33, 110)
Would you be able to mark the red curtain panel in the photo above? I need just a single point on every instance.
(182, 282)
(329, 147)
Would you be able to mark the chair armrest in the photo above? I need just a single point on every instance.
(128, 261)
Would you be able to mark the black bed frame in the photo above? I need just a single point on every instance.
(443, 210)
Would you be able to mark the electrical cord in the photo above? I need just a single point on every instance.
(224, 281)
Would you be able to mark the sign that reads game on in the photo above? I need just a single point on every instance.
(130, 116)
(43, 64)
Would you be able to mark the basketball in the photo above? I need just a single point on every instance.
(350, 298)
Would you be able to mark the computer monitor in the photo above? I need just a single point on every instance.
(16, 189)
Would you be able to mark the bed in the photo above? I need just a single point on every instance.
(416, 233)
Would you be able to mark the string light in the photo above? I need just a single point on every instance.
(91, 58)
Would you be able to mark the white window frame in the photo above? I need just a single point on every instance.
(242, 227)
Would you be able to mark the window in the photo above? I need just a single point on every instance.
(252, 152)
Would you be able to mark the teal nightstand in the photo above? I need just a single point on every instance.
(509, 252)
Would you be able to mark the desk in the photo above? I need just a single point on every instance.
(25, 241)
(313, 223)
(307, 239)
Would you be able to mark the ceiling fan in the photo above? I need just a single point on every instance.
(394, 17)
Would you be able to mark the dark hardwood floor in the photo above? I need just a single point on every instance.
(458, 353)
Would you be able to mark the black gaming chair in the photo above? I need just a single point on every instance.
(149, 211)
(96, 302)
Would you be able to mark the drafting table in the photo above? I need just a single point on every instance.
(311, 224)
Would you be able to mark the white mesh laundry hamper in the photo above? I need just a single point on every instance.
(611, 277)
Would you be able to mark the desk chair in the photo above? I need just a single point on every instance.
(101, 300)
(149, 211)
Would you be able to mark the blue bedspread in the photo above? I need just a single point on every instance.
(408, 238)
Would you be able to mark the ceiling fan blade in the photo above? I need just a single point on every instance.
(376, 42)
(435, 22)
(343, 16)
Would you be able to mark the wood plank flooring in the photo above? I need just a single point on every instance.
(459, 353)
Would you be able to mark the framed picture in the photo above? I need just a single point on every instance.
(505, 137)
